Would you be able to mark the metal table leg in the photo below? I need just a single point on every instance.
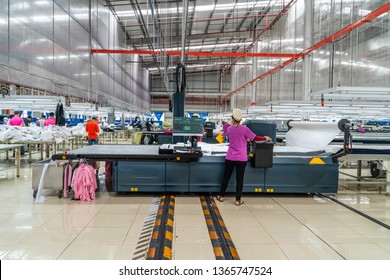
(17, 160)
(41, 148)
(29, 153)
(359, 170)
(386, 165)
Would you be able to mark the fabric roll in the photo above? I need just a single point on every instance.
(312, 135)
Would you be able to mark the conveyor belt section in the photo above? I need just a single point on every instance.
(222, 243)
(160, 247)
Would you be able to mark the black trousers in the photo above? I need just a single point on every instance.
(240, 170)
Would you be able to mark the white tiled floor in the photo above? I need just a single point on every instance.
(266, 227)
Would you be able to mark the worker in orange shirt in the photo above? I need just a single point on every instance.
(92, 128)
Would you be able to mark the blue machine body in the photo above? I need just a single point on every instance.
(288, 175)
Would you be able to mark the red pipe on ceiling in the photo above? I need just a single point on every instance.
(178, 53)
(368, 18)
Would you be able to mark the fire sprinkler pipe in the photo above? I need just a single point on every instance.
(179, 53)
(368, 18)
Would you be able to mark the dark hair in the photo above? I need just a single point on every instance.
(43, 116)
(235, 121)
(51, 114)
(16, 113)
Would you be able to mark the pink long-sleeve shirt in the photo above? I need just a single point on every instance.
(16, 121)
(50, 121)
(238, 136)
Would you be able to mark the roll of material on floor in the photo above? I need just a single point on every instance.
(312, 135)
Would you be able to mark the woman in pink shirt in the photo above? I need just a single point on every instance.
(50, 121)
(236, 155)
(16, 120)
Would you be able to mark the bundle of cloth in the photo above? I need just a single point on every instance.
(33, 133)
(78, 130)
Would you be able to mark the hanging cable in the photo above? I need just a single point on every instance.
(181, 82)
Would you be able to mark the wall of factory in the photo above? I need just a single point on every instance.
(45, 44)
(362, 57)
(359, 59)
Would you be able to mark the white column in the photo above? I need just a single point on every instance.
(255, 49)
(233, 86)
(307, 43)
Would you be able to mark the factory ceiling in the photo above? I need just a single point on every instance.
(219, 27)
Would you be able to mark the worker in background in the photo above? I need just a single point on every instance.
(50, 121)
(149, 127)
(16, 120)
(92, 128)
(236, 156)
(5, 121)
(28, 121)
(361, 128)
(137, 122)
(149, 124)
(41, 121)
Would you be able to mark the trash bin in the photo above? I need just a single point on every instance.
(262, 154)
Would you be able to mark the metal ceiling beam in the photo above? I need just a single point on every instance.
(120, 23)
(268, 27)
(141, 21)
(249, 11)
(210, 19)
(140, 18)
(114, 3)
(193, 94)
(191, 21)
(227, 18)
(245, 34)
(215, 54)
(330, 39)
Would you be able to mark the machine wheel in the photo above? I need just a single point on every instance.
(35, 193)
(374, 170)
(342, 124)
(71, 194)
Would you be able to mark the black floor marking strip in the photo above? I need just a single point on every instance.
(160, 247)
(356, 211)
(223, 245)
